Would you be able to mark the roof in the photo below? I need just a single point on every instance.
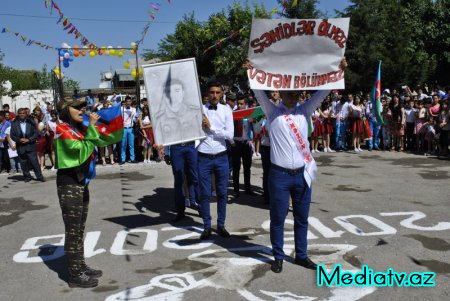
(124, 75)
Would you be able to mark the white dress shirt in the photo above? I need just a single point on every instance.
(284, 151)
(265, 140)
(245, 130)
(341, 110)
(129, 116)
(222, 128)
(410, 115)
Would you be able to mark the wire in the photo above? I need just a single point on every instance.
(87, 19)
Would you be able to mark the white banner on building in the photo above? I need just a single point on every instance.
(297, 54)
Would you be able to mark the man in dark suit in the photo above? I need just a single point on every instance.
(25, 133)
(241, 149)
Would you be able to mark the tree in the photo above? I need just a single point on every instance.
(191, 38)
(70, 85)
(44, 78)
(4, 72)
(304, 9)
(389, 31)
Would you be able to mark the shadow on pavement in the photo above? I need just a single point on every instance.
(58, 265)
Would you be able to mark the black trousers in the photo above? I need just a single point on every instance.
(265, 158)
(241, 151)
(4, 159)
(74, 203)
(410, 139)
(30, 157)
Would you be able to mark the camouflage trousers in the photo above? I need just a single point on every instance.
(74, 202)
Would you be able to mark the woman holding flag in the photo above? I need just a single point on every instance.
(74, 148)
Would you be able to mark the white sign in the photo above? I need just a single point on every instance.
(294, 54)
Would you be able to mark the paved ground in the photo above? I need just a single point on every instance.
(377, 209)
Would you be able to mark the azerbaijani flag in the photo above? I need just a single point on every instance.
(110, 125)
(376, 97)
(248, 113)
(69, 147)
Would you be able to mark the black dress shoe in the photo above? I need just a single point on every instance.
(93, 273)
(41, 179)
(206, 233)
(306, 263)
(223, 232)
(179, 217)
(236, 194)
(134, 161)
(82, 280)
(194, 206)
(250, 193)
(277, 266)
(27, 180)
(121, 162)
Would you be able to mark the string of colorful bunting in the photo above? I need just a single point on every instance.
(27, 41)
(68, 25)
(154, 8)
(221, 41)
(233, 35)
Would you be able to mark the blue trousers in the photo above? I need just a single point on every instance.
(220, 167)
(184, 162)
(281, 186)
(341, 129)
(127, 139)
(375, 129)
(265, 159)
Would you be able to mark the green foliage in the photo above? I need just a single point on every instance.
(305, 9)
(191, 38)
(70, 84)
(23, 80)
(44, 78)
(5, 72)
(30, 80)
(410, 37)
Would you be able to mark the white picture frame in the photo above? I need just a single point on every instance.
(175, 103)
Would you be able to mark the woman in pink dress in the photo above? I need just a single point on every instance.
(146, 139)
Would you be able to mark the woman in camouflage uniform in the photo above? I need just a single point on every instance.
(74, 148)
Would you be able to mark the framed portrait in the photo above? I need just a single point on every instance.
(175, 104)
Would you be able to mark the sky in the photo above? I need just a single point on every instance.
(110, 23)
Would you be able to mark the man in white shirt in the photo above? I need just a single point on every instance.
(129, 118)
(341, 112)
(212, 158)
(293, 170)
(265, 148)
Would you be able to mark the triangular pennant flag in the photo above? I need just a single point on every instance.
(60, 18)
(68, 26)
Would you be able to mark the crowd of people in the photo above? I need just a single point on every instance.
(409, 121)
(415, 121)
(412, 121)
